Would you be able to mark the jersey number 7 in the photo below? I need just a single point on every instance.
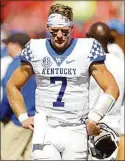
(59, 102)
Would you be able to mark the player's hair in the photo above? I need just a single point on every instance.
(62, 9)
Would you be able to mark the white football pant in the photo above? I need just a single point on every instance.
(51, 141)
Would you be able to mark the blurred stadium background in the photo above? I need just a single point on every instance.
(30, 16)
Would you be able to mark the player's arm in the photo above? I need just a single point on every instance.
(106, 101)
(121, 148)
(108, 84)
(19, 77)
(111, 91)
(121, 144)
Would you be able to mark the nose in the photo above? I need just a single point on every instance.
(59, 34)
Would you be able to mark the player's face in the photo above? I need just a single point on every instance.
(60, 36)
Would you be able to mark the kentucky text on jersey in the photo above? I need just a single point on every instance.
(66, 71)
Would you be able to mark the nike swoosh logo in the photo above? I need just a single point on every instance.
(67, 62)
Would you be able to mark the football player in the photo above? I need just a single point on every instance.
(62, 66)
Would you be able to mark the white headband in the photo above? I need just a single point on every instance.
(57, 20)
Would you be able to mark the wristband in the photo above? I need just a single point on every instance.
(94, 116)
(102, 107)
(23, 117)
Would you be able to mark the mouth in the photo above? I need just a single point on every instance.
(59, 42)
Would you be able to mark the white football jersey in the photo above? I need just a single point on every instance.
(62, 78)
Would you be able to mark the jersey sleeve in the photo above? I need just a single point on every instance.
(96, 53)
(26, 54)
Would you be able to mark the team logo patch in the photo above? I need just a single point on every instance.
(46, 62)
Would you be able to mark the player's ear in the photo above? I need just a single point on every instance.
(48, 27)
(71, 29)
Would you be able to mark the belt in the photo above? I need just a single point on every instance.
(54, 122)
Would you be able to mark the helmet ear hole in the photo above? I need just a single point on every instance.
(102, 150)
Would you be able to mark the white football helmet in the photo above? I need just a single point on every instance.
(105, 145)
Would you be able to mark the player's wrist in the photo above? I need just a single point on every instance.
(94, 116)
(22, 117)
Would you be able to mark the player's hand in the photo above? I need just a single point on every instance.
(92, 127)
(28, 123)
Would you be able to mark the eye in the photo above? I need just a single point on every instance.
(54, 30)
(65, 31)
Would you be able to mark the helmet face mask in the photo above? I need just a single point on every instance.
(104, 146)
